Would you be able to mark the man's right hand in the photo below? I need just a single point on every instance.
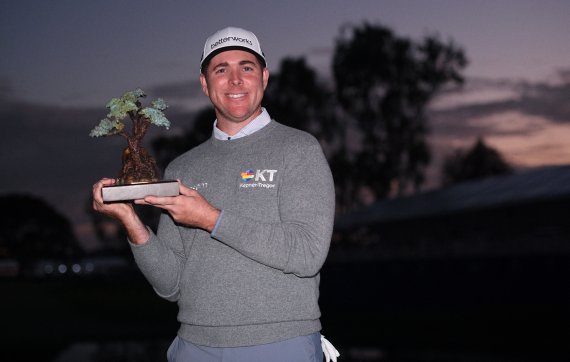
(116, 210)
(124, 212)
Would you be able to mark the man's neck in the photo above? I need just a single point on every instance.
(231, 127)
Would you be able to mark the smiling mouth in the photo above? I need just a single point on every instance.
(236, 95)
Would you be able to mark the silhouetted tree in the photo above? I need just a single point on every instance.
(296, 97)
(478, 162)
(385, 82)
(30, 228)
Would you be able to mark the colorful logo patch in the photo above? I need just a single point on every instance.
(247, 175)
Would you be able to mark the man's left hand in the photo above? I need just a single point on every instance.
(189, 208)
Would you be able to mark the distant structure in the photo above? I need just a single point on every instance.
(520, 214)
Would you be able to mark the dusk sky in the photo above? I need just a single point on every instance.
(62, 60)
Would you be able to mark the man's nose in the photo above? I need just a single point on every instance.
(235, 78)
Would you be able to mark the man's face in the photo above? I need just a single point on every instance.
(235, 82)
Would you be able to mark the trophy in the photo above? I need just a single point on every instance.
(139, 176)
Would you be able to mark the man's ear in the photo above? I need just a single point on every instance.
(265, 74)
(204, 84)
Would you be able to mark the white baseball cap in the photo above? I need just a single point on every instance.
(231, 38)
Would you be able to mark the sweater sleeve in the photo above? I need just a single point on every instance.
(299, 243)
(162, 258)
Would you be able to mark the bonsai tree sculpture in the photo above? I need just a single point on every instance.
(138, 165)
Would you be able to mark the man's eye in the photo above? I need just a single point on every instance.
(220, 70)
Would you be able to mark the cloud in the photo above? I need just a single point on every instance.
(485, 97)
(548, 101)
(178, 90)
(50, 151)
(529, 123)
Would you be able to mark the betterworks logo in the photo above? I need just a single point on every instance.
(258, 178)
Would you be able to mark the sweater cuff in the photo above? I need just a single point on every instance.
(213, 233)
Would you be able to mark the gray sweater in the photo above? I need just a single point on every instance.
(255, 278)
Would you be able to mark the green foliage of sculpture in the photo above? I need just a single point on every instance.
(138, 165)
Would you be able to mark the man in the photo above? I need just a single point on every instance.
(241, 247)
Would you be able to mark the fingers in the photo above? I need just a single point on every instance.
(104, 182)
(97, 196)
(168, 200)
(157, 201)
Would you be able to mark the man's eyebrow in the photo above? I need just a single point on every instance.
(222, 64)
(246, 61)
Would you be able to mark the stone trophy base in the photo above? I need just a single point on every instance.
(139, 191)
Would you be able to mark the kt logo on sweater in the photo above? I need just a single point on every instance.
(258, 175)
